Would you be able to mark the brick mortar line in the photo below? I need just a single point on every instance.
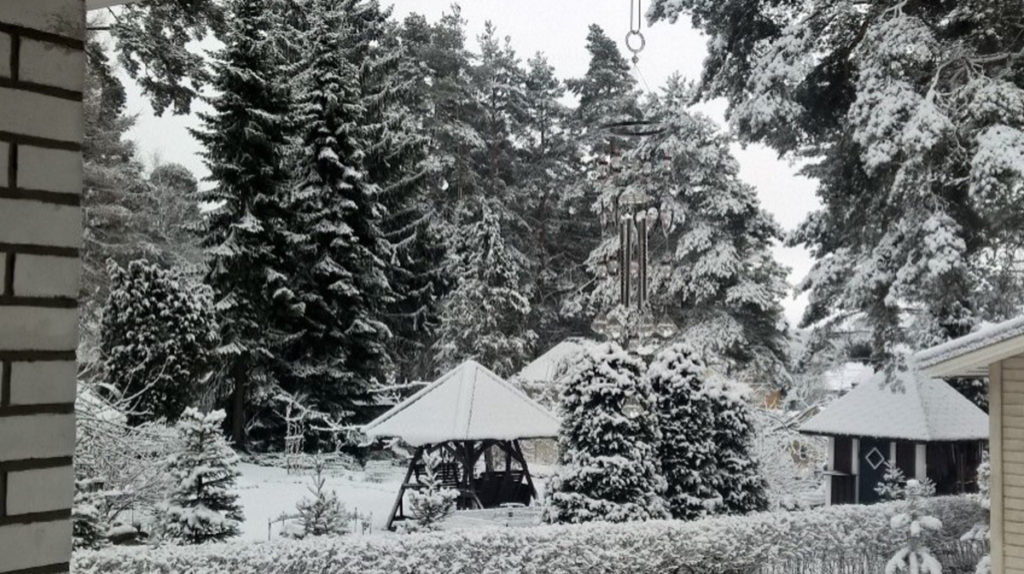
(8, 287)
(41, 89)
(5, 383)
(3, 493)
(12, 165)
(30, 249)
(29, 410)
(15, 57)
(35, 517)
(38, 141)
(37, 356)
(56, 302)
(62, 568)
(51, 37)
(51, 197)
(34, 463)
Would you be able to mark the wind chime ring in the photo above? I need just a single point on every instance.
(632, 37)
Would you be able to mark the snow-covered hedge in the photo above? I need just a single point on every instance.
(729, 544)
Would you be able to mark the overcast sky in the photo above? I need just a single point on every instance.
(559, 28)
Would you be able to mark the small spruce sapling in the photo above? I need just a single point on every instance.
(321, 514)
(202, 506)
(88, 521)
(915, 557)
(433, 504)
(893, 485)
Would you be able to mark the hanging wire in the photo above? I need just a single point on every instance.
(636, 43)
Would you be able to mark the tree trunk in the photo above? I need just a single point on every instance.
(238, 408)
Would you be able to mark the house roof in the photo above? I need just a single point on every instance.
(970, 355)
(468, 403)
(912, 407)
(554, 363)
(845, 377)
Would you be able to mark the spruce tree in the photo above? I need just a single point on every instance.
(321, 513)
(201, 506)
(157, 340)
(688, 450)
(608, 443)
(484, 316)
(246, 140)
(741, 486)
(341, 283)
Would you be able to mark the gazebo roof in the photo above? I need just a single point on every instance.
(554, 363)
(924, 409)
(468, 403)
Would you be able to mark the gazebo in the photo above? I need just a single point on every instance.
(919, 424)
(459, 417)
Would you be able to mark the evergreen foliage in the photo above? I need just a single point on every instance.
(321, 513)
(742, 488)
(893, 485)
(432, 504)
(201, 506)
(88, 522)
(246, 138)
(688, 450)
(608, 459)
(157, 340)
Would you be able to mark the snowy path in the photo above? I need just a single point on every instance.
(267, 492)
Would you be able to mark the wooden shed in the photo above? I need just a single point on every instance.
(997, 352)
(460, 416)
(919, 424)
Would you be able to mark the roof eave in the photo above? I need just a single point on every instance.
(98, 4)
(975, 362)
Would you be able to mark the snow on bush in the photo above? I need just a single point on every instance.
(321, 513)
(433, 504)
(816, 540)
(916, 526)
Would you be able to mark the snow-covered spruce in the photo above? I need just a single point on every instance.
(741, 486)
(158, 335)
(835, 539)
(687, 450)
(609, 458)
(320, 513)
(201, 506)
(915, 527)
(432, 504)
(88, 521)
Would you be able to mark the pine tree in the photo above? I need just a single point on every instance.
(157, 340)
(201, 506)
(688, 451)
(340, 348)
(321, 513)
(396, 160)
(246, 140)
(741, 486)
(910, 116)
(608, 455)
(483, 318)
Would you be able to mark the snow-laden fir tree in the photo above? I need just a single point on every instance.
(246, 139)
(608, 443)
(483, 318)
(202, 505)
(741, 486)
(688, 451)
(339, 253)
(911, 116)
(893, 485)
(157, 339)
(88, 520)
(432, 504)
(914, 527)
(321, 513)
(711, 264)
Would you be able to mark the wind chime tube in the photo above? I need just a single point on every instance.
(642, 286)
(627, 258)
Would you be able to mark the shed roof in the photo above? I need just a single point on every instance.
(556, 362)
(468, 403)
(971, 354)
(920, 409)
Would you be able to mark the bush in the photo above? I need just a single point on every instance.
(816, 540)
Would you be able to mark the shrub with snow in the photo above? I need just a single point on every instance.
(741, 485)
(893, 485)
(433, 504)
(201, 507)
(321, 513)
(88, 521)
(848, 538)
(915, 526)
(609, 460)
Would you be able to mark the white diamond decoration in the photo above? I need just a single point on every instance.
(874, 458)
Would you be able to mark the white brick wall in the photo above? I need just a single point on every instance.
(38, 223)
(24, 546)
(48, 169)
(36, 436)
(39, 490)
(46, 276)
(43, 382)
(38, 328)
(40, 232)
(40, 65)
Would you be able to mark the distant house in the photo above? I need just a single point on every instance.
(919, 424)
(542, 379)
(996, 352)
(844, 378)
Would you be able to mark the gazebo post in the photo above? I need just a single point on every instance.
(401, 489)
(526, 468)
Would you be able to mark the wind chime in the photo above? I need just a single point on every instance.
(634, 216)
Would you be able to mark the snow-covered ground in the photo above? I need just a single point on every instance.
(267, 492)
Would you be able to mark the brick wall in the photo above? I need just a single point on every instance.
(41, 76)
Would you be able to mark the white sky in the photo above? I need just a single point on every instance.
(559, 28)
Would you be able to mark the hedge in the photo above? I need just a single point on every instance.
(840, 538)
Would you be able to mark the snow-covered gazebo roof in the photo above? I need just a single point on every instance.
(971, 354)
(556, 361)
(468, 403)
(923, 409)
